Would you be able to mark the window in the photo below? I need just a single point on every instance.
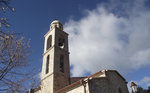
(119, 90)
(62, 63)
(47, 64)
(49, 42)
(61, 43)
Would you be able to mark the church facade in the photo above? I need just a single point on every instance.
(56, 70)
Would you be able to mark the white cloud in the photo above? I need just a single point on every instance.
(107, 38)
(145, 80)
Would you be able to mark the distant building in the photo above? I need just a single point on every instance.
(138, 89)
(56, 70)
(134, 87)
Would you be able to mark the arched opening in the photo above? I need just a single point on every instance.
(49, 42)
(62, 63)
(47, 64)
(119, 90)
(61, 42)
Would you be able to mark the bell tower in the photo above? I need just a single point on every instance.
(55, 67)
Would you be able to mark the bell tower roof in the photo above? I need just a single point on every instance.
(56, 23)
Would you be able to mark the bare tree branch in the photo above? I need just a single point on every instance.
(14, 51)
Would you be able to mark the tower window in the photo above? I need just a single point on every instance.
(49, 42)
(119, 90)
(62, 63)
(47, 64)
(61, 43)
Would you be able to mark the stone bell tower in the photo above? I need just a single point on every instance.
(55, 68)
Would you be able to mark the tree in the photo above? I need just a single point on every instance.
(4, 5)
(141, 90)
(13, 57)
(14, 51)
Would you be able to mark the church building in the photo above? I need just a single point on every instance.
(56, 70)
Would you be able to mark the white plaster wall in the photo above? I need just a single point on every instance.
(77, 89)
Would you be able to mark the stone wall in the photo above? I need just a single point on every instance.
(74, 79)
(47, 84)
(116, 82)
(99, 85)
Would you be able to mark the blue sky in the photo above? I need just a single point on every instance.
(103, 34)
